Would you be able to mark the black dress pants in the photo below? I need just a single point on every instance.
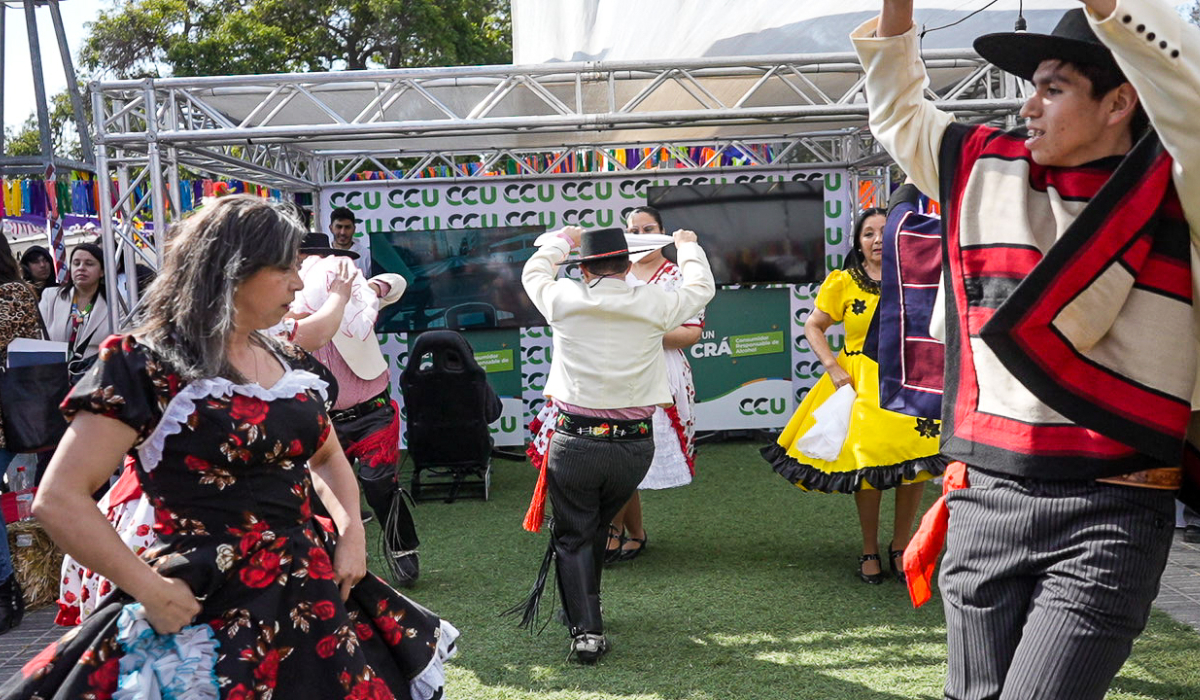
(588, 480)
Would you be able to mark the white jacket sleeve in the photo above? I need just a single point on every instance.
(537, 277)
(1160, 55)
(907, 125)
(696, 290)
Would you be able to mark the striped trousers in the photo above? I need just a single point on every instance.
(1047, 583)
(588, 481)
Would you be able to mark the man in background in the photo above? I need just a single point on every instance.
(342, 227)
(365, 416)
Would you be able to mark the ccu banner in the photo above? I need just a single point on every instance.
(749, 331)
(598, 201)
(741, 364)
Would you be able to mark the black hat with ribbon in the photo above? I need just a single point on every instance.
(318, 244)
(603, 243)
(1020, 53)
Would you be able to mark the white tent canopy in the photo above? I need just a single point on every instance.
(546, 31)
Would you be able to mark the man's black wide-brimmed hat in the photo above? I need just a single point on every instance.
(603, 243)
(1020, 53)
(318, 244)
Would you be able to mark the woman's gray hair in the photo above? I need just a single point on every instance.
(188, 312)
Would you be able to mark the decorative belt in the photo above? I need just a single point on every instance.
(603, 428)
(1166, 478)
(359, 410)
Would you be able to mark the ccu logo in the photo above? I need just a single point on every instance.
(801, 344)
(506, 424)
(535, 381)
(539, 332)
(802, 292)
(801, 393)
(537, 354)
(809, 369)
(762, 407)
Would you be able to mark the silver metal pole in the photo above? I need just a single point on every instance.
(39, 84)
(64, 51)
(3, 49)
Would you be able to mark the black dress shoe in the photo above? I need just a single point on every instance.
(897, 567)
(869, 578)
(405, 567)
(12, 606)
(588, 647)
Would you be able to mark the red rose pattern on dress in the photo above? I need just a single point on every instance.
(232, 502)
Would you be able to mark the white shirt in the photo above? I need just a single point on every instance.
(607, 335)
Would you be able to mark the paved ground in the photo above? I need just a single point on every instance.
(1179, 598)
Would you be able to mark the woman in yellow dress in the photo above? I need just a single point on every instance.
(883, 449)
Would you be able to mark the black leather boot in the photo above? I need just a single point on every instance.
(12, 607)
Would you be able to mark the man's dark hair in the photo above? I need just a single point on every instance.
(616, 265)
(341, 214)
(1106, 78)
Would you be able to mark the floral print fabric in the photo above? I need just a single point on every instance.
(232, 499)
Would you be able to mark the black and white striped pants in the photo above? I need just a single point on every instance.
(1047, 583)
(588, 480)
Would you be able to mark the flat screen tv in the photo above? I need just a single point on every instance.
(457, 278)
(753, 233)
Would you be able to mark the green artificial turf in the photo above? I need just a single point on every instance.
(747, 589)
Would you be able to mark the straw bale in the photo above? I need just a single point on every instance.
(37, 561)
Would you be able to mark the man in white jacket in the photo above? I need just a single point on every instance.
(606, 377)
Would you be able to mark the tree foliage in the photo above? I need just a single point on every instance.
(142, 38)
(27, 140)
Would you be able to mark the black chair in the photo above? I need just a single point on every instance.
(449, 405)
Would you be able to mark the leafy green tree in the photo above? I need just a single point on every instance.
(225, 37)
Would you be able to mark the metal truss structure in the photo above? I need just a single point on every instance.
(305, 132)
(27, 165)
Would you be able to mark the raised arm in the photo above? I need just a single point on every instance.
(537, 277)
(1162, 61)
(908, 126)
(88, 455)
(698, 287)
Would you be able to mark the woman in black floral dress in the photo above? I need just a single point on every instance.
(229, 432)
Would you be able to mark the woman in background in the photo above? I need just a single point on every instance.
(37, 267)
(883, 449)
(674, 427)
(77, 312)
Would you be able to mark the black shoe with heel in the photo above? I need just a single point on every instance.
(869, 578)
(631, 554)
(896, 562)
(613, 554)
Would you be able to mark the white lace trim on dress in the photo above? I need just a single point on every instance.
(183, 405)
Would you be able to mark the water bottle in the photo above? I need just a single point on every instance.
(23, 488)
